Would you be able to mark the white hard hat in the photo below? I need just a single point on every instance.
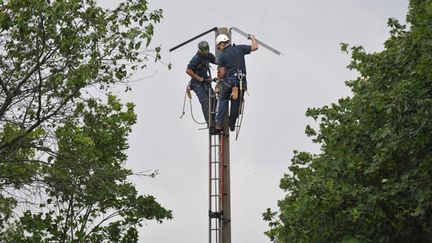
(221, 38)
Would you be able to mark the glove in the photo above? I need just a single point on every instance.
(250, 36)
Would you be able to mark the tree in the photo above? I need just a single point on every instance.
(371, 181)
(62, 151)
(88, 197)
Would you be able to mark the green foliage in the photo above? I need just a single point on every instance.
(62, 154)
(88, 197)
(52, 51)
(18, 166)
(371, 182)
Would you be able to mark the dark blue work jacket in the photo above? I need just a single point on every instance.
(232, 58)
(199, 64)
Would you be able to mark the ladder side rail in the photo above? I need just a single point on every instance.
(210, 187)
(221, 184)
(210, 102)
(221, 169)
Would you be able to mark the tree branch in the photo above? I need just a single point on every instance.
(16, 91)
(115, 214)
(40, 121)
(86, 217)
(65, 226)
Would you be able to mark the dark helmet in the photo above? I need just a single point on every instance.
(203, 46)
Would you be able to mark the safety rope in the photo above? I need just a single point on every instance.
(192, 115)
(191, 110)
(184, 104)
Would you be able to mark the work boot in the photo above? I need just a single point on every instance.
(215, 131)
(218, 126)
(232, 127)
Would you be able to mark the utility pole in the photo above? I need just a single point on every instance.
(226, 204)
(219, 161)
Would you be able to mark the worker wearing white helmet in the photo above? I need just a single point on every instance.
(232, 68)
(221, 38)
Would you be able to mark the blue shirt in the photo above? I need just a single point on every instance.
(199, 64)
(232, 58)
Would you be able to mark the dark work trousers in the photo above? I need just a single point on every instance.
(201, 89)
(224, 98)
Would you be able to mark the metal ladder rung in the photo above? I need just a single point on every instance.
(215, 178)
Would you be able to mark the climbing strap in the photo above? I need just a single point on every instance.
(240, 75)
(235, 90)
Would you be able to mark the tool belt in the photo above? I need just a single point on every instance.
(236, 88)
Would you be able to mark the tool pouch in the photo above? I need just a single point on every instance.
(234, 92)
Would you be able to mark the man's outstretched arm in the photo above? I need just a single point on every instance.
(254, 43)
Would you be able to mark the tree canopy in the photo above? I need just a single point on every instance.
(371, 180)
(63, 135)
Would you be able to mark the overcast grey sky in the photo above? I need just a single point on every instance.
(310, 74)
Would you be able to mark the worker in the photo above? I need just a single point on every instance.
(232, 66)
(199, 71)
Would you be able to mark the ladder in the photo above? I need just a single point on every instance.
(216, 188)
(216, 178)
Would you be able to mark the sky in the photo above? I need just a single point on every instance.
(311, 73)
